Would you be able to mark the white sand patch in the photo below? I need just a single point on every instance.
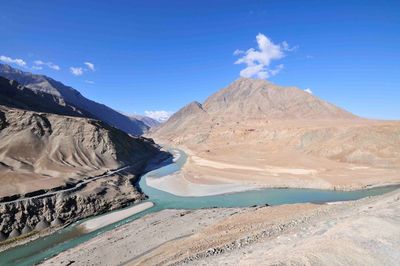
(179, 186)
(358, 167)
(268, 168)
(107, 219)
(293, 171)
(219, 165)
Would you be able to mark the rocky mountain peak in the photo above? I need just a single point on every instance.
(256, 98)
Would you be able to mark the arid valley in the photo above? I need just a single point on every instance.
(129, 136)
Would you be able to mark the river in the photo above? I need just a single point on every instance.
(42, 248)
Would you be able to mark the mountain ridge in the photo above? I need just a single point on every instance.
(66, 95)
(256, 97)
(13, 95)
(249, 99)
(148, 121)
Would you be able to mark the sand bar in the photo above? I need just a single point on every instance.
(177, 185)
(107, 219)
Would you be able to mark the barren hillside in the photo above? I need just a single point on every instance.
(41, 150)
(259, 133)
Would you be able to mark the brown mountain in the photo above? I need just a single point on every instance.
(57, 169)
(58, 163)
(42, 150)
(249, 100)
(259, 133)
(255, 98)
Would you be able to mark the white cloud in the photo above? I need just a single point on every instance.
(10, 60)
(308, 90)
(276, 70)
(160, 116)
(89, 81)
(90, 66)
(77, 71)
(286, 47)
(238, 52)
(48, 64)
(258, 61)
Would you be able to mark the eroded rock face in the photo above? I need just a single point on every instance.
(3, 120)
(42, 151)
(40, 213)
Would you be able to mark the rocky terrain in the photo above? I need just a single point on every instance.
(37, 214)
(14, 95)
(61, 97)
(256, 133)
(57, 149)
(363, 232)
(56, 169)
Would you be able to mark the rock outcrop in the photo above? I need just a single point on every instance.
(21, 217)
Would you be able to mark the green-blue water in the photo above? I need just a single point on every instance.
(45, 247)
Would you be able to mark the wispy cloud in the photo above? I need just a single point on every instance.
(89, 81)
(48, 64)
(160, 116)
(238, 52)
(90, 66)
(258, 61)
(308, 90)
(286, 47)
(9, 60)
(77, 71)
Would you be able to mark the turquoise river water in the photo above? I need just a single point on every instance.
(68, 237)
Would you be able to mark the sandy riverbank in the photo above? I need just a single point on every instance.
(205, 177)
(177, 185)
(275, 171)
(290, 153)
(139, 237)
(363, 232)
(113, 217)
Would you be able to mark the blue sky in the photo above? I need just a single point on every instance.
(160, 55)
